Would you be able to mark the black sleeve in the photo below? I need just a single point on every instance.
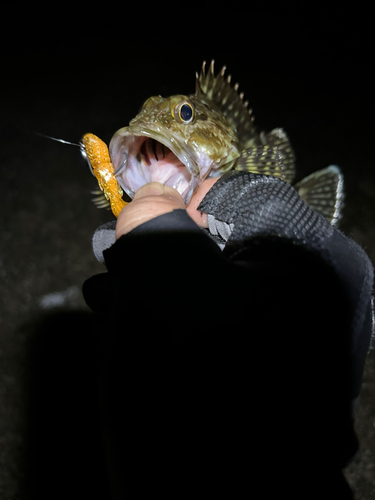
(222, 370)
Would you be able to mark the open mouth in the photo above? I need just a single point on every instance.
(139, 158)
(151, 150)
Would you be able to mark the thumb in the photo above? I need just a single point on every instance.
(192, 208)
(150, 201)
(165, 192)
(155, 189)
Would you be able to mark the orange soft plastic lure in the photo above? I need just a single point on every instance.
(100, 161)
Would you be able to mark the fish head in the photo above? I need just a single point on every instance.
(178, 141)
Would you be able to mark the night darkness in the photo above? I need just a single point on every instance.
(310, 72)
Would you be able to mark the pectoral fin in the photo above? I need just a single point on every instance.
(323, 191)
(264, 160)
(100, 200)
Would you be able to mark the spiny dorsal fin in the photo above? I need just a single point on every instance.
(323, 191)
(198, 88)
(219, 90)
(261, 160)
(278, 138)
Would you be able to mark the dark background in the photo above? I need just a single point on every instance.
(66, 72)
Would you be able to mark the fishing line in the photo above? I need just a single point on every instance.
(63, 141)
(58, 140)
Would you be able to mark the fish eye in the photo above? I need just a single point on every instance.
(184, 112)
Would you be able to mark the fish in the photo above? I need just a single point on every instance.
(182, 140)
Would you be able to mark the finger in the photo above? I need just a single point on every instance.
(157, 189)
(192, 208)
(150, 201)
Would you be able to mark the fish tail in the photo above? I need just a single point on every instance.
(324, 192)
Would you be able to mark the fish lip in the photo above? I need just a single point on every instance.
(118, 148)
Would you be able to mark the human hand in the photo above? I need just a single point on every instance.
(154, 199)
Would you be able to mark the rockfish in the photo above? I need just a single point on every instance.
(182, 140)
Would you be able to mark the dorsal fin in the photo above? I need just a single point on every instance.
(278, 138)
(198, 89)
(219, 90)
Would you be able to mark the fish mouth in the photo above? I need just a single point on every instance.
(141, 155)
